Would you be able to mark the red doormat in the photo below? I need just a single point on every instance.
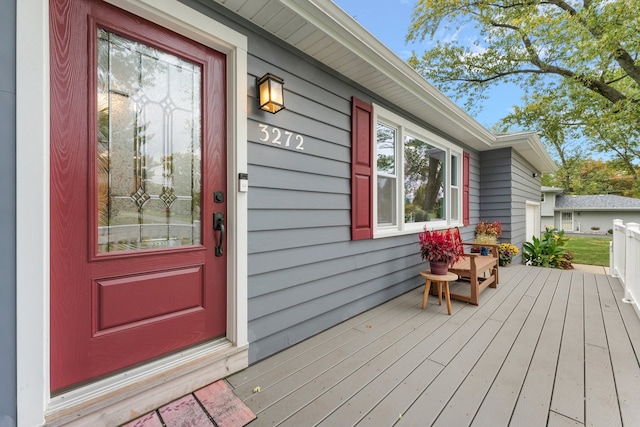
(213, 405)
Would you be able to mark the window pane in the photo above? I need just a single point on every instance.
(148, 147)
(386, 201)
(424, 171)
(386, 149)
(455, 195)
(454, 170)
(455, 201)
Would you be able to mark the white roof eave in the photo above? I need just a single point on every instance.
(404, 87)
(528, 144)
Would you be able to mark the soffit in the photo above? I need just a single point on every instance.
(325, 32)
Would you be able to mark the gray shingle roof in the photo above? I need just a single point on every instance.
(603, 201)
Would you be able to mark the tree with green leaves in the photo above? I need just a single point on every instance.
(577, 62)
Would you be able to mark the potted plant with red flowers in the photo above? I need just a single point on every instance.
(441, 248)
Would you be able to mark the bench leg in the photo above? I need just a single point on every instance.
(473, 295)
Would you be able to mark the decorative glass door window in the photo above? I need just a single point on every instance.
(149, 147)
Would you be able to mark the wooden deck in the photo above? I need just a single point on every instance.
(546, 348)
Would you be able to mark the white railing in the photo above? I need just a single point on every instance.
(625, 260)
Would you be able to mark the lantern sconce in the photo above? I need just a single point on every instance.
(271, 93)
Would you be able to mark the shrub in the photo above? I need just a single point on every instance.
(548, 251)
(595, 228)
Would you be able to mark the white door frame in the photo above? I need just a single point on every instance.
(572, 225)
(34, 400)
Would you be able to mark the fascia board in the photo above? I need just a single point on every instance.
(337, 24)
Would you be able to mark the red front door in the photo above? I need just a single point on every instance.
(137, 176)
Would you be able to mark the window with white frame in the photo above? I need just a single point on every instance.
(418, 177)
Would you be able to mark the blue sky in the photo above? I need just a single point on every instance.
(389, 21)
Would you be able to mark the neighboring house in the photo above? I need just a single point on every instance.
(586, 214)
(548, 207)
(169, 232)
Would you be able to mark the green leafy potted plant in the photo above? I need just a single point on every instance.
(441, 248)
(548, 251)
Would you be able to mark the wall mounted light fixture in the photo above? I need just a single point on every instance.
(271, 93)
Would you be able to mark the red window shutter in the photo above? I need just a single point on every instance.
(361, 170)
(465, 188)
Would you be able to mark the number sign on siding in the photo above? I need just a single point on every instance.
(281, 138)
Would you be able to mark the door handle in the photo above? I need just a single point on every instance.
(218, 225)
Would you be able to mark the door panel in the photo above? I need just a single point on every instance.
(117, 300)
(567, 221)
(137, 151)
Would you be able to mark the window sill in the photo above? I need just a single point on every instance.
(413, 228)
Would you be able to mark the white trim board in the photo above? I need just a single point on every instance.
(33, 229)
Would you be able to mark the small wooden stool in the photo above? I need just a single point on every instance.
(438, 279)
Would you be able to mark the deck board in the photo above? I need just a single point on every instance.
(601, 403)
(626, 370)
(502, 396)
(398, 343)
(547, 347)
(468, 327)
(305, 385)
(374, 392)
(532, 406)
(342, 332)
(568, 391)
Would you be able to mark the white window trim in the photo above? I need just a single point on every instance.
(34, 400)
(403, 126)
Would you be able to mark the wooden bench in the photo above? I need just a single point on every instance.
(480, 270)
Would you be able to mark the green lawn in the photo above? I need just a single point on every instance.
(589, 250)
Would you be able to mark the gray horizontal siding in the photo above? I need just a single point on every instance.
(306, 309)
(495, 192)
(284, 276)
(526, 188)
(280, 158)
(8, 397)
(474, 194)
(263, 220)
(305, 273)
(264, 262)
(507, 184)
(272, 240)
(282, 179)
(267, 198)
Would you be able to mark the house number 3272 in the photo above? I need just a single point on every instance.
(282, 138)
